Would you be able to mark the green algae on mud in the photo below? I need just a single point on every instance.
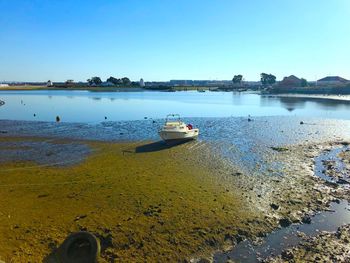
(155, 206)
(147, 202)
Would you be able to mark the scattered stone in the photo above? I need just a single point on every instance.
(79, 217)
(342, 181)
(287, 255)
(274, 206)
(285, 222)
(306, 219)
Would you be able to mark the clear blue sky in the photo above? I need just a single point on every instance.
(173, 39)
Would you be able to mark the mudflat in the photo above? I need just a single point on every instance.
(142, 203)
(147, 201)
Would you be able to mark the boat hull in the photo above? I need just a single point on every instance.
(179, 136)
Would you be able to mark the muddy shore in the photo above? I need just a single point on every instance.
(144, 200)
(326, 247)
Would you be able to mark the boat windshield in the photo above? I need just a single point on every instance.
(173, 118)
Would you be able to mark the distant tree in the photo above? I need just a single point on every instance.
(267, 79)
(135, 83)
(303, 82)
(126, 81)
(95, 80)
(237, 79)
(113, 80)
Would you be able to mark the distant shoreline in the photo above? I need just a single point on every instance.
(322, 93)
(87, 88)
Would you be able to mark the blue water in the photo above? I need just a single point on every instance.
(90, 107)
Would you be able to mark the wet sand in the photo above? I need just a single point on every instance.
(147, 201)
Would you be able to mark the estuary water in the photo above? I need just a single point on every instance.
(92, 107)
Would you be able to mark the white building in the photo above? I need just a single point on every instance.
(142, 83)
(4, 85)
(49, 83)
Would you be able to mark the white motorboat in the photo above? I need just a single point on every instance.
(176, 130)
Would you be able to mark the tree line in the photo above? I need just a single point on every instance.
(266, 79)
(115, 81)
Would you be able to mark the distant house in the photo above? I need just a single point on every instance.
(291, 81)
(49, 83)
(142, 83)
(332, 80)
(4, 85)
(107, 84)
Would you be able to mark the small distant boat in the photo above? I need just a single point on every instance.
(201, 90)
(175, 129)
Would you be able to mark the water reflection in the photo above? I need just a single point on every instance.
(83, 106)
(292, 103)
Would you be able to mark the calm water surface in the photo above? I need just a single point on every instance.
(85, 106)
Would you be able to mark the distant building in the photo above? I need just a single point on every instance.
(4, 85)
(291, 81)
(107, 84)
(49, 83)
(332, 80)
(176, 82)
(142, 83)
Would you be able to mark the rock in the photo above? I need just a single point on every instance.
(301, 123)
(287, 255)
(274, 206)
(285, 222)
(306, 219)
(336, 201)
(79, 217)
(342, 181)
(239, 238)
